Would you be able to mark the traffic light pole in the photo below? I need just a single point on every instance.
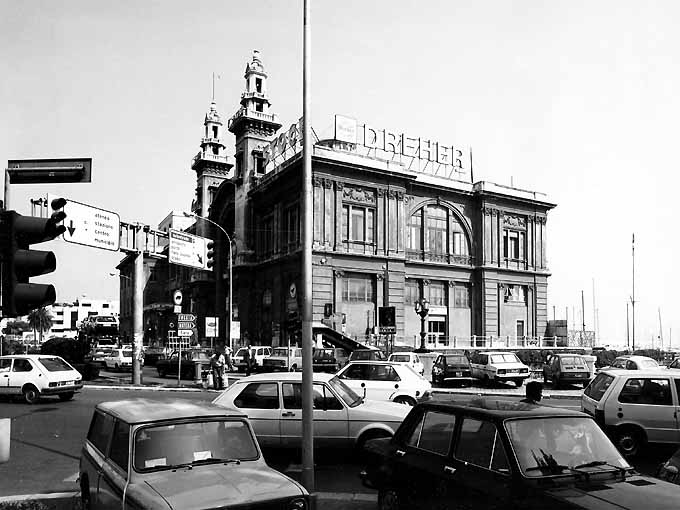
(138, 308)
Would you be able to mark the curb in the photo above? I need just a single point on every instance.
(492, 393)
(131, 387)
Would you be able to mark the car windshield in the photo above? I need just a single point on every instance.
(280, 351)
(127, 354)
(504, 358)
(345, 392)
(401, 358)
(55, 365)
(193, 443)
(562, 446)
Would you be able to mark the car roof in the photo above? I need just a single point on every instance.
(142, 410)
(498, 352)
(661, 372)
(285, 376)
(30, 356)
(501, 409)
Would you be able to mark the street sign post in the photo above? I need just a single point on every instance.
(188, 249)
(386, 320)
(90, 226)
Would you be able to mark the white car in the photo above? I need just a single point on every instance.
(382, 380)
(409, 358)
(273, 403)
(257, 355)
(501, 366)
(283, 358)
(37, 375)
(119, 359)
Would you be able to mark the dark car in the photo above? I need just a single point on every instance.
(452, 368)
(186, 366)
(496, 454)
(565, 368)
(367, 355)
(329, 359)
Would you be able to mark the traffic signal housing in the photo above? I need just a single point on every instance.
(19, 262)
(210, 254)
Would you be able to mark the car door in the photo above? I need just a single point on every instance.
(482, 468)
(5, 368)
(420, 462)
(354, 376)
(114, 470)
(648, 401)
(260, 401)
(382, 382)
(331, 427)
(23, 371)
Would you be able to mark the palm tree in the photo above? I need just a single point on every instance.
(40, 320)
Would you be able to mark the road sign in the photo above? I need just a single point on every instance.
(90, 226)
(177, 297)
(186, 325)
(186, 317)
(185, 332)
(211, 326)
(235, 330)
(38, 171)
(386, 320)
(188, 249)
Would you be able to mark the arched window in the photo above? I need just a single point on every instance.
(436, 234)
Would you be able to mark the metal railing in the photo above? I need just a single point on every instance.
(474, 342)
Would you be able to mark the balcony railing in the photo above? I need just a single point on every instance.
(253, 114)
(442, 258)
(474, 342)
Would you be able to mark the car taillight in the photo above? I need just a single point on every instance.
(501, 371)
(523, 370)
(53, 384)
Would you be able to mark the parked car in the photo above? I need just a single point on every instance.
(675, 363)
(186, 366)
(178, 454)
(369, 354)
(283, 358)
(381, 380)
(566, 369)
(409, 358)
(257, 355)
(452, 368)
(35, 375)
(496, 454)
(119, 359)
(328, 359)
(273, 402)
(627, 362)
(635, 407)
(498, 367)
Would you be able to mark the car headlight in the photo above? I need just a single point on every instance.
(297, 504)
(501, 371)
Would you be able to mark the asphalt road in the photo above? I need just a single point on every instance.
(47, 438)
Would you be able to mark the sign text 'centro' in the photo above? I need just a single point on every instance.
(90, 226)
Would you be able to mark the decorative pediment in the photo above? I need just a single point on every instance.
(361, 196)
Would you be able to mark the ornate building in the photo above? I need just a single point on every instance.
(396, 219)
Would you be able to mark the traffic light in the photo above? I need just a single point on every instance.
(19, 262)
(210, 254)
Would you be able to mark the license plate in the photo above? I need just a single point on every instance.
(513, 371)
(459, 374)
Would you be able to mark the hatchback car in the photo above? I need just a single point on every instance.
(118, 359)
(496, 454)
(369, 354)
(632, 363)
(635, 407)
(452, 369)
(328, 359)
(566, 369)
(273, 402)
(409, 358)
(34, 376)
(382, 380)
(498, 367)
(177, 454)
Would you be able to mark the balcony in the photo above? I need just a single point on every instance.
(253, 95)
(441, 258)
(253, 114)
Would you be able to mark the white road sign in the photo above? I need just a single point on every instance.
(184, 332)
(188, 249)
(211, 326)
(90, 226)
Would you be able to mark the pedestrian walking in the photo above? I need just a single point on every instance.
(247, 359)
(217, 368)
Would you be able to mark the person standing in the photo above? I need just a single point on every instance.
(247, 359)
(534, 393)
(217, 367)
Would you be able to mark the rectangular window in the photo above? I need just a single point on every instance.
(514, 245)
(292, 226)
(520, 329)
(345, 222)
(646, 391)
(214, 130)
(434, 433)
(259, 164)
(515, 294)
(258, 85)
(436, 231)
(437, 294)
(120, 445)
(357, 289)
(100, 431)
(358, 224)
(411, 292)
(480, 445)
(461, 296)
(416, 232)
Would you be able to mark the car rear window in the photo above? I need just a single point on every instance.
(55, 365)
(127, 354)
(457, 360)
(400, 357)
(504, 358)
(573, 360)
(648, 363)
(598, 386)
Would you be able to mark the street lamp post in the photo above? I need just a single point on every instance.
(422, 308)
(229, 315)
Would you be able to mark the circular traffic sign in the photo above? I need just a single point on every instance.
(177, 297)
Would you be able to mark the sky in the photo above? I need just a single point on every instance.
(574, 99)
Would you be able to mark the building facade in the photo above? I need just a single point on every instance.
(67, 317)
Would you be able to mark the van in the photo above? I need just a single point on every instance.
(635, 407)
(283, 358)
(257, 355)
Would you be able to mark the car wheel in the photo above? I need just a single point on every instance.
(85, 502)
(66, 396)
(161, 372)
(556, 383)
(365, 437)
(628, 441)
(116, 367)
(405, 400)
(519, 382)
(31, 394)
(389, 499)
(293, 368)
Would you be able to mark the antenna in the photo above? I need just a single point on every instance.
(213, 86)
(472, 175)
(660, 329)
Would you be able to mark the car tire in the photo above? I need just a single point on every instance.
(389, 499)
(519, 382)
(116, 367)
(404, 399)
(65, 397)
(31, 394)
(85, 502)
(161, 372)
(365, 437)
(628, 440)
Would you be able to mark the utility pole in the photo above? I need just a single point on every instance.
(138, 308)
(307, 204)
(660, 330)
(632, 299)
(583, 319)
(627, 328)
(594, 314)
